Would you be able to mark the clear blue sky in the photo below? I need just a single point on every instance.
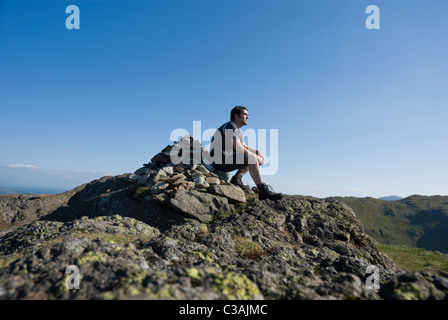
(359, 112)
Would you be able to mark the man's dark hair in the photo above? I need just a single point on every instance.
(237, 110)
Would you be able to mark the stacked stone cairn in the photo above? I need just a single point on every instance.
(182, 176)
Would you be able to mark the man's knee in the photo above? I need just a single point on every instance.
(252, 159)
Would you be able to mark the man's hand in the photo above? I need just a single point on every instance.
(260, 157)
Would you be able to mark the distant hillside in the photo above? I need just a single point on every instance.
(417, 221)
(391, 198)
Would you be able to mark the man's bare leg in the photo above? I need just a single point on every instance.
(264, 191)
(254, 170)
(253, 167)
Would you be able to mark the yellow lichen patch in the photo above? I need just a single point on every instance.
(408, 292)
(236, 286)
(193, 273)
(92, 256)
(142, 192)
(204, 255)
(166, 292)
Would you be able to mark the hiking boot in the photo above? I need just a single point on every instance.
(265, 191)
(237, 181)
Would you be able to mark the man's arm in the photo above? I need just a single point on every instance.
(250, 149)
(241, 147)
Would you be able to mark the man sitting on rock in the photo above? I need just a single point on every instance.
(236, 155)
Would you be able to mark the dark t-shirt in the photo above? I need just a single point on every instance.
(225, 134)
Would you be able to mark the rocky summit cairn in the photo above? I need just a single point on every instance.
(192, 186)
(181, 231)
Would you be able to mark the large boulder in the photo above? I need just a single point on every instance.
(232, 192)
(199, 205)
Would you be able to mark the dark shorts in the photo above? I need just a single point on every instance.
(233, 163)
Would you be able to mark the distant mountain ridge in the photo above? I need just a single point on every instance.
(416, 221)
(391, 198)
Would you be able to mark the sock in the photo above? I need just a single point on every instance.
(259, 185)
(239, 175)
